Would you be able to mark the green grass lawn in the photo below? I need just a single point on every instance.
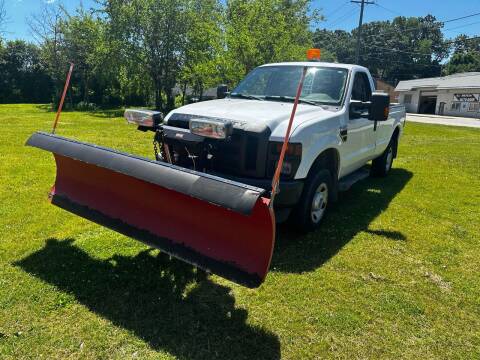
(393, 273)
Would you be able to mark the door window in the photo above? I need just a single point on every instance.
(361, 87)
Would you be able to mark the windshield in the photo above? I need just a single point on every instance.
(323, 85)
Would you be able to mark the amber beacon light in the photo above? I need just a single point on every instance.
(314, 54)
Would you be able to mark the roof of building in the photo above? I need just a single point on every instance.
(466, 80)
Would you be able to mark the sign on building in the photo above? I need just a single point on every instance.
(466, 97)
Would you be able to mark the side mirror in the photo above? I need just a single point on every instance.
(222, 91)
(357, 109)
(380, 106)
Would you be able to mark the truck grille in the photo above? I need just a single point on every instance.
(244, 154)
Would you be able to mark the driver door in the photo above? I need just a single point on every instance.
(360, 143)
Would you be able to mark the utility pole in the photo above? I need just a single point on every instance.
(360, 24)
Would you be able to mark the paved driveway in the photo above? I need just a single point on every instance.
(444, 120)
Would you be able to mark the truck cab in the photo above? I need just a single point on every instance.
(340, 125)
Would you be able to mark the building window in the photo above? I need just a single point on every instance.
(474, 107)
(407, 99)
(456, 106)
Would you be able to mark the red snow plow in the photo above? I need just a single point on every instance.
(222, 226)
(218, 225)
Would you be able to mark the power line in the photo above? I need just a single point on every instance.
(401, 51)
(460, 18)
(371, 57)
(416, 52)
(387, 9)
(337, 9)
(342, 18)
(462, 26)
(419, 26)
(444, 21)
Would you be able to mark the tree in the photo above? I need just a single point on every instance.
(152, 33)
(463, 62)
(82, 43)
(263, 31)
(338, 45)
(464, 44)
(203, 55)
(46, 29)
(466, 56)
(404, 48)
(22, 77)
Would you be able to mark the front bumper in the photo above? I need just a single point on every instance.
(290, 190)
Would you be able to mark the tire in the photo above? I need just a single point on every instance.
(314, 202)
(382, 165)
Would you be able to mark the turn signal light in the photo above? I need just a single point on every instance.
(293, 157)
(386, 112)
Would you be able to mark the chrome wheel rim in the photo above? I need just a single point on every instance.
(319, 203)
(388, 163)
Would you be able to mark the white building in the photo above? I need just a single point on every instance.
(454, 95)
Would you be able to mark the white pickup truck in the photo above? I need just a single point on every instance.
(340, 125)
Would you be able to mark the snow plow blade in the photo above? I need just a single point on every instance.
(221, 226)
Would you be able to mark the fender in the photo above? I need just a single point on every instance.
(316, 138)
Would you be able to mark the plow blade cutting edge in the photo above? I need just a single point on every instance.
(221, 226)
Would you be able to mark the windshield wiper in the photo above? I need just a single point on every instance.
(247, 96)
(290, 98)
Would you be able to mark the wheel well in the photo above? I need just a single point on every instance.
(395, 135)
(328, 159)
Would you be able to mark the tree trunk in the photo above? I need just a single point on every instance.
(184, 90)
(158, 96)
(85, 88)
(170, 99)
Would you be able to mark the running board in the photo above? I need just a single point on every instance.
(348, 181)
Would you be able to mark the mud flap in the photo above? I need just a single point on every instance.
(221, 226)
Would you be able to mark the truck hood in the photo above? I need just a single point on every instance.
(255, 115)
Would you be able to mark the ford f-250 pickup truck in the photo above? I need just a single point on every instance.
(336, 131)
(280, 146)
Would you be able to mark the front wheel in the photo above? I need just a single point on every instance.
(314, 201)
(382, 165)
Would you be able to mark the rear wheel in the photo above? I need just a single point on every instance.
(382, 165)
(314, 201)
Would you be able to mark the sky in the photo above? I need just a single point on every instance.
(340, 14)
(19, 10)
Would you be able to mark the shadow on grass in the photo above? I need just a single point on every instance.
(100, 113)
(44, 107)
(157, 299)
(355, 210)
(106, 113)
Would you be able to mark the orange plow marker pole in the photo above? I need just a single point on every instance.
(278, 170)
(60, 106)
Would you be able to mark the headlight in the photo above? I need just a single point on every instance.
(143, 118)
(214, 129)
